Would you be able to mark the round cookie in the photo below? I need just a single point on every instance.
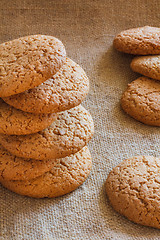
(14, 121)
(72, 130)
(16, 168)
(147, 65)
(67, 174)
(65, 90)
(29, 61)
(141, 100)
(133, 190)
(139, 41)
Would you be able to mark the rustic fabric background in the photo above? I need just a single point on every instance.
(87, 29)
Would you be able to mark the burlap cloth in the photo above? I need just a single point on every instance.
(87, 29)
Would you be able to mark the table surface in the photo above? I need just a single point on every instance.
(87, 29)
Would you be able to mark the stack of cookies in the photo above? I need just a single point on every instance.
(43, 128)
(141, 100)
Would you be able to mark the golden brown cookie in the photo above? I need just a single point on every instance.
(133, 190)
(14, 121)
(72, 130)
(65, 90)
(141, 100)
(139, 41)
(29, 61)
(147, 65)
(16, 168)
(67, 174)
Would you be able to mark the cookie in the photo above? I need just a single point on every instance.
(14, 121)
(72, 130)
(133, 189)
(141, 100)
(139, 41)
(147, 65)
(63, 91)
(15, 168)
(29, 61)
(67, 174)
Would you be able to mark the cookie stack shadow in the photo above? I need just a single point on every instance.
(44, 130)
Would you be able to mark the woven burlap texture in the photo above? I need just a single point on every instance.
(87, 29)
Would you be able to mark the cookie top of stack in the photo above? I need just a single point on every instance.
(139, 41)
(29, 61)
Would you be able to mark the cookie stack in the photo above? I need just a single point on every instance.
(142, 97)
(44, 129)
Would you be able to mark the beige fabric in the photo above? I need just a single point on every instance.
(87, 29)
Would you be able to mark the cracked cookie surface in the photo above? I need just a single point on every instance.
(141, 100)
(29, 61)
(133, 190)
(16, 168)
(67, 174)
(14, 121)
(139, 41)
(147, 65)
(72, 130)
(65, 90)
